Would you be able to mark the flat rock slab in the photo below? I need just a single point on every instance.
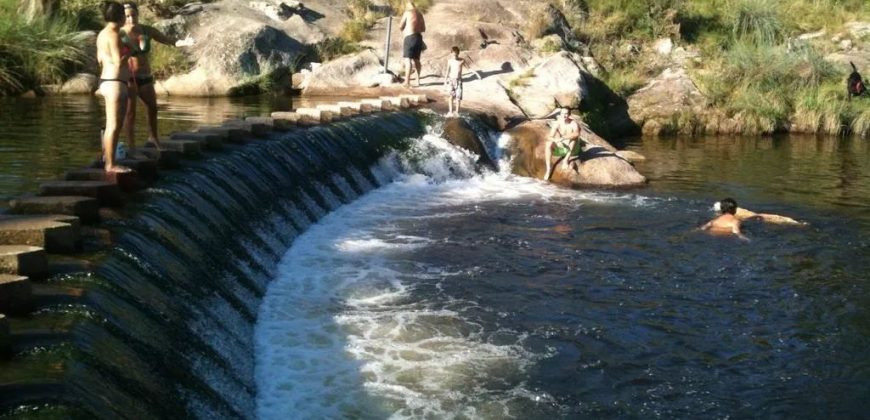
(208, 140)
(146, 169)
(15, 294)
(85, 208)
(167, 159)
(55, 233)
(23, 260)
(187, 148)
(228, 134)
(126, 181)
(274, 124)
(256, 129)
(107, 193)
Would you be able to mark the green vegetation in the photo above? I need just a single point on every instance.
(166, 61)
(752, 69)
(363, 15)
(41, 51)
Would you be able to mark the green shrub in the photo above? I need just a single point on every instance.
(331, 48)
(39, 52)
(757, 21)
(166, 61)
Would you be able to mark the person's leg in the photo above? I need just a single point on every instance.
(149, 98)
(130, 115)
(450, 106)
(408, 67)
(417, 66)
(115, 94)
(548, 154)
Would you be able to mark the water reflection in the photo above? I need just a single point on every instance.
(41, 138)
(787, 173)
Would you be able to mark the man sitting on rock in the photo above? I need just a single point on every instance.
(564, 141)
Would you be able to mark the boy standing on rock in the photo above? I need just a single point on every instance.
(453, 81)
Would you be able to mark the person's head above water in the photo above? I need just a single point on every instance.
(727, 205)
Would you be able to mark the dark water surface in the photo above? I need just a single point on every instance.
(41, 138)
(469, 296)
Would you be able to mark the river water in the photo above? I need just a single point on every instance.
(453, 294)
(449, 293)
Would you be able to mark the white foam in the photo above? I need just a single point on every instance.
(342, 331)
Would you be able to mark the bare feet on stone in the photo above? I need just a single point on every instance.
(118, 169)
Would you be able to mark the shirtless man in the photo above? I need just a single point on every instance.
(727, 222)
(412, 27)
(563, 142)
(453, 81)
(744, 214)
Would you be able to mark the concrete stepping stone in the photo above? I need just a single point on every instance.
(227, 134)
(256, 129)
(107, 193)
(127, 181)
(23, 260)
(15, 294)
(208, 140)
(55, 233)
(87, 209)
(187, 148)
(146, 169)
(273, 124)
(355, 107)
(338, 111)
(169, 159)
(378, 104)
(397, 102)
(286, 116)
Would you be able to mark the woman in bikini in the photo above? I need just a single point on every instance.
(142, 82)
(112, 55)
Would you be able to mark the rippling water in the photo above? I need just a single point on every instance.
(493, 296)
(42, 138)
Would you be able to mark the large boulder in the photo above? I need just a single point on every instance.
(351, 71)
(228, 59)
(600, 167)
(559, 79)
(668, 96)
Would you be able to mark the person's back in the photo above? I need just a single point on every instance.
(412, 22)
(454, 68)
(727, 222)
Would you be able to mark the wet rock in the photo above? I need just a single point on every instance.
(459, 133)
(600, 167)
(362, 69)
(671, 94)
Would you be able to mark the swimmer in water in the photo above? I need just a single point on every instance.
(727, 222)
(744, 214)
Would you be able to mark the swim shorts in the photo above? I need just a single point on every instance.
(454, 89)
(413, 46)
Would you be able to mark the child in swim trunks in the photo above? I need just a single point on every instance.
(453, 81)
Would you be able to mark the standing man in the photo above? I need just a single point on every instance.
(564, 141)
(412, 27)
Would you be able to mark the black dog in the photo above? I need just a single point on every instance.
(854, 83)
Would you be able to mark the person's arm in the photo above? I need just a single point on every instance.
(422, 22)
(447, 73)
(706, 226)
(735, 228)
(554, 132)
(158, 36)
(115, 50)
(403, 22)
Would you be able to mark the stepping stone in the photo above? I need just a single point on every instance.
(273, 124)
(397, 102)
(107, 193)
(355, 107)
(208, 140)
(378, 104)
(169, 159)
(338, 112)
(227, 134)
(55, 233)
(15, 294)
(286, 116)
(256, 129)
(187, 148)
(23, 260)
(86, 208)
(127, 181)
(146, 169)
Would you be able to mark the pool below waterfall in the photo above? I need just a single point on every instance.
(368, 269)
(453, 294)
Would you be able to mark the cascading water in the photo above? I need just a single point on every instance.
(453, 293)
